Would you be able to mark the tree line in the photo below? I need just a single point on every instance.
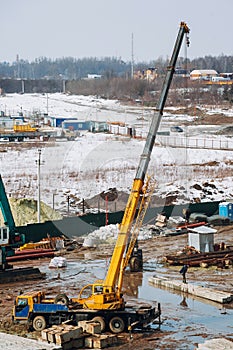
(69, 68)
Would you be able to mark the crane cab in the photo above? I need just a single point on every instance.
(4, 235)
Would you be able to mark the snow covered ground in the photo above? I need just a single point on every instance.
(95, 162)
(12, 342)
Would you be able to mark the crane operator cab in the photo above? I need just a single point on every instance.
(4, 235)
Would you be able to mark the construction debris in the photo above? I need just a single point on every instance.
(86, 335)
(191, 257)
(161, 220)
(30, 254)
(58, 262)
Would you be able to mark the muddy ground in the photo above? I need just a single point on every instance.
(153, 250)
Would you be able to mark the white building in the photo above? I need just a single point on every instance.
(203, 74)
(202, 238)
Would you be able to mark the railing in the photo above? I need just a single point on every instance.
(190, 142)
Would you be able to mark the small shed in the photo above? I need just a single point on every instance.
(202, 238)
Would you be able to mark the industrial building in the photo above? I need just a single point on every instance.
(203, 74)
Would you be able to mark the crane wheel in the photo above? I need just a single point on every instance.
(135, 264)
(39, 323)
(101, 321)
(61, 299)
(116, 325)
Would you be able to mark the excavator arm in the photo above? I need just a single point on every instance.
(5, 208)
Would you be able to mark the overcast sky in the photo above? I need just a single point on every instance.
(104, 28)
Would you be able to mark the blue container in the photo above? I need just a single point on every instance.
(224, 209)
(230, 210)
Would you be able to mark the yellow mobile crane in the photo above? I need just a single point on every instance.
(105, 301)
(110, 296)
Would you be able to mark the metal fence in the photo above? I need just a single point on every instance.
(190, 142)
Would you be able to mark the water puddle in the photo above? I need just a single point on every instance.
(186, 320)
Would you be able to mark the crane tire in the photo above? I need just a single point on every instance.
(116, 325)
(101, 321)
(39, 323)
(61, 299)
(135, 264)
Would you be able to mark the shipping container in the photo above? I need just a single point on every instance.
(74, 124)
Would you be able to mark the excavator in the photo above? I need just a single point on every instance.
(10, 239)
(103, 301)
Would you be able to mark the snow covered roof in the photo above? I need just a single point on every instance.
(203, 72)
(203, 230)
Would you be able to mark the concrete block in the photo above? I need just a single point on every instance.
(100, 342)
(58, 326)
(112, 339)
(44, 334)
(73, 344)
(88, 342)
(66, 336)
(90, 327)
(51, 336)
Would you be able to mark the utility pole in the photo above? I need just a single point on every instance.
(38, 161)
(22, 83)
(54, 194)
(132, 58)
(64, 86)
(68, 204)
(47, 95)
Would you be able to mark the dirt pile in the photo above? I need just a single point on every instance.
(24, 211)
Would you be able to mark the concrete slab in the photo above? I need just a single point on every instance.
(206, 293)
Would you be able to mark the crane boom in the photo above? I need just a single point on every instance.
(134, 197)
(109, 295)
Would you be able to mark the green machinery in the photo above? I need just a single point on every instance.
(9, 237)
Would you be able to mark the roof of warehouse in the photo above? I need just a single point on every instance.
(204, 71)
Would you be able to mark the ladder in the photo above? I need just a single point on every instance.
(148, 190)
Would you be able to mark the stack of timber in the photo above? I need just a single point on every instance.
(87, 335)
(220, 258)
